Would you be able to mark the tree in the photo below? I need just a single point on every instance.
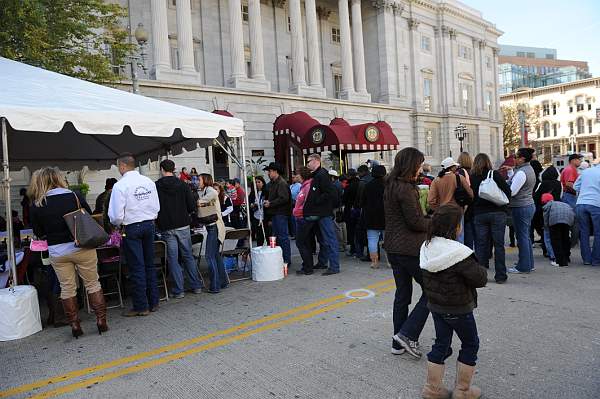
(80, 38)
(511, 130)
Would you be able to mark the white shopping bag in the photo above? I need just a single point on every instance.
(489, 190)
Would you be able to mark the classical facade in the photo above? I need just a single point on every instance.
(569, 117)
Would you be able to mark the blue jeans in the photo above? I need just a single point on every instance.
(469, 229)
(570, 199)
(216, 269)
(461, 234)
(548, 243)
(373, 238)
(588, 216)
(490, 227)
(279, 227)
(522, 216)
(138, 245)
(466, 329)
(179, 246)
(406, 268)
(329, 243)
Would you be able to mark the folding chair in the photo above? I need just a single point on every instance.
(238, 234)
(198, 239)
(160, 263)
(109, 267)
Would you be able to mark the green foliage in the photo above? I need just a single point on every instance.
(72, 37)
(511, 130)
(83, 188)
(254, 168)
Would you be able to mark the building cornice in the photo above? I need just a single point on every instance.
(560, 88)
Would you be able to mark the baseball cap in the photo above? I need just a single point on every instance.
(575, 156)
(333, 172)
(547, 197)
(449, 162)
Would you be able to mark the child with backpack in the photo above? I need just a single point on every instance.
(450, 276)
(558, 219)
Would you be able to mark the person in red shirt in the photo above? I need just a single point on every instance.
(567, 179)
(184, 176)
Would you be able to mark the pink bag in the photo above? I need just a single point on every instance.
(38, 245)
(114, 239)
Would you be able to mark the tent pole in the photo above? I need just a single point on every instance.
(9, 226)
(248, 222)
(341, 163)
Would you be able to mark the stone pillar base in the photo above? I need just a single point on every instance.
(354, 96)
(308, 91)
(249, 84)
(176, 76)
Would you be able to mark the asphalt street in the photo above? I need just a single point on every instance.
(314, 337)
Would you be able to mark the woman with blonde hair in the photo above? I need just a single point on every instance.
(50, 201)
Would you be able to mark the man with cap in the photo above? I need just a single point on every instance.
(568, 177)
(588, 214)
(522, 208)
(278, 207)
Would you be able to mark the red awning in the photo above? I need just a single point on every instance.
(376, 136)
(222, 112)
(295, 125)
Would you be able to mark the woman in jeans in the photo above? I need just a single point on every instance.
(405, 231)
(51, 200)
(215, 235)
(304, 233)
(466, 164)
(372, 205)
(489, 218)
(257, 212)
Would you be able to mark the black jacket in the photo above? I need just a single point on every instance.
(322, 195)
(480, 205)
(372, 204)
(47, 221)
(176, 203)
(550, 184)
(279, 197)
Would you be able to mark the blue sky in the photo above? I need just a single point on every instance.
(572, 27)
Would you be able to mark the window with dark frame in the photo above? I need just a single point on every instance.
(335, 35)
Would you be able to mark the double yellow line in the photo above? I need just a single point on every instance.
(275, 321)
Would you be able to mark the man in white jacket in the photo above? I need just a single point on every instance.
(134, 205)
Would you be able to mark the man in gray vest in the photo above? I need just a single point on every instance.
(522, 208)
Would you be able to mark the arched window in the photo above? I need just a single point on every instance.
(580, 125)
(546, 129)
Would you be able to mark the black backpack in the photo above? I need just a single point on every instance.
(461, 196)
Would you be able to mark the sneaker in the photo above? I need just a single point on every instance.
(197, 291)
(412, 347)
(553, 263)
(181, 295)
(513, 270)
(532, 269)
(397, 349)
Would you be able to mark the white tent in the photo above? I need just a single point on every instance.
(49, 118)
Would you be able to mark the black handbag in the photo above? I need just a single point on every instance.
(86, 232)
(461, 196)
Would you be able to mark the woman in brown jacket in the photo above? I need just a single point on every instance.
(405, 231)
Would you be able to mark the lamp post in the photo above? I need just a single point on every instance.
(138, 58)
(461, 132)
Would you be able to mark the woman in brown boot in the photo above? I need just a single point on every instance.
(50, 201)
(451, 275)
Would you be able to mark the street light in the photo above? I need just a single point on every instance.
(137, 59)
(461, 132)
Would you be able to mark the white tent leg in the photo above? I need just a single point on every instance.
(9, 226)
(248, 214)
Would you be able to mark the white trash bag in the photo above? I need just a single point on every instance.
(267, 264)
(19, 312)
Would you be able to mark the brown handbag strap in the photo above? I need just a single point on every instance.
(77, 199)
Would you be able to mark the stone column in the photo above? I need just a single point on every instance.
(476, 93)
(496, 110)
(257, 62)
(388, 62)
(346, 50)
(312, 41)
(185, 39)
(160, 36)
(238, 68)
(413, 36)
(358, 48)
(298, 74)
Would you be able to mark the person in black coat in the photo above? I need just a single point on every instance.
(373, 209)
(489, 218)
(549, 184)
(351, 214)
(537, 223)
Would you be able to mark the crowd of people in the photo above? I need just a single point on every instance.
(440, 232)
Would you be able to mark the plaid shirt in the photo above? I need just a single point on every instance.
(556, 212)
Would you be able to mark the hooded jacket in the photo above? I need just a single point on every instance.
(372, 204)
(323, 194)
(176, 203)
(450, 276)
(550, 184)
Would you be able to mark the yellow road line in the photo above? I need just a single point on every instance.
(211, 345)
(178, 345)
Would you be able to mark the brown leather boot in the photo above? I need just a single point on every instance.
(463, 388)
(99, 305)
(434, 387)
(71, 308)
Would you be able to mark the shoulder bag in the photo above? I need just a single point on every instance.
(207, 213)
(489, 190)
(86, 232)
(461, 196)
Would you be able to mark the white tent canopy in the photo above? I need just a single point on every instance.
(53, 117)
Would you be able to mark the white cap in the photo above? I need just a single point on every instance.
(333, 172)
(448, 162)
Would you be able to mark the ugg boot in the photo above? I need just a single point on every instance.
(374, 260)
(463, 388)
(434, 387)
(71, 308)
(99, 305)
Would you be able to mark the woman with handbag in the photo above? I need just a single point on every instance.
(489, 217)
(209, 214)
(51, 200)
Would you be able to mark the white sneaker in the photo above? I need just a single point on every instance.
(553, 263)
(513, 270)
